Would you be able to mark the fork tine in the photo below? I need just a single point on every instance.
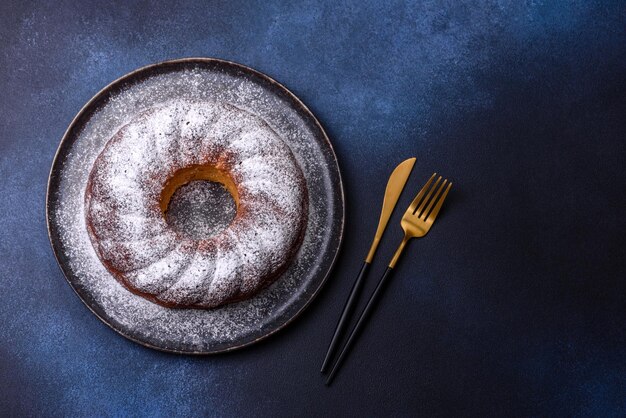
(433, 200)
(427, 198)
(419, 196)
(435, 212)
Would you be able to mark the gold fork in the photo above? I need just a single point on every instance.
(416, 222)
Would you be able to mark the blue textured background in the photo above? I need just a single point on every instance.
(515, 303)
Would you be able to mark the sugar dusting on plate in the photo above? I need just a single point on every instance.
(195, 330)
(200, 209)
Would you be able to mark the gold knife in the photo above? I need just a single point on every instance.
(395, 185)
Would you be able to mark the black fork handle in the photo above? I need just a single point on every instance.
(345, 315)
(362, 319)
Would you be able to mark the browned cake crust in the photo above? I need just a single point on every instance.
(136, 174)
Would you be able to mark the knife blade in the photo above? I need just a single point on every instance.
(395, 185)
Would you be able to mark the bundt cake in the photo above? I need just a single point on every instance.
(142, 165)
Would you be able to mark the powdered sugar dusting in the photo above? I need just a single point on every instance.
(140, 158)
(201, 209)
(196, 330)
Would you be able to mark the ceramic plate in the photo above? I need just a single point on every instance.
(194, 331)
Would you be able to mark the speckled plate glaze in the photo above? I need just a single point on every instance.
(194, 331)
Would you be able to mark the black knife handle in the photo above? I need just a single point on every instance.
(345, 315)
(362, 319)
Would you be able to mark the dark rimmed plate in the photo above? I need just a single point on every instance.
(194, 331)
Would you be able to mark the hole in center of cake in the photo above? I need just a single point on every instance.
(200, 209)
(199, 201)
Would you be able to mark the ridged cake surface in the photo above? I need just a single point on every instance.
(125, 213)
